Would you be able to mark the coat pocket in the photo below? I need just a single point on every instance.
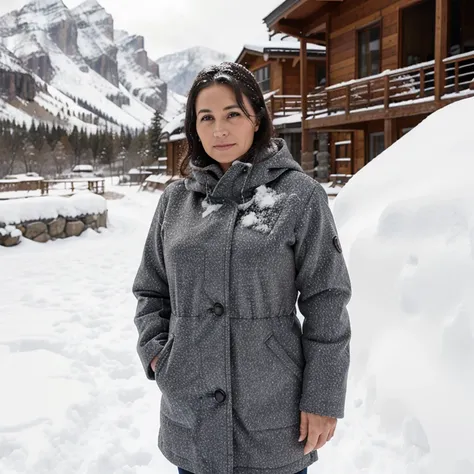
(163, 356)
(267, 385)
(284, 358)
(177, 377)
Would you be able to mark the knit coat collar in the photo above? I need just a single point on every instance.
(242, 177)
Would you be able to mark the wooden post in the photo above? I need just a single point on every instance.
(304, 78)
(353, 151)
(386, 92)
(422, 82)
(456, 77)
(389, 132)
(441, 46)
(307, 157)
(328, 51)
(348, 100)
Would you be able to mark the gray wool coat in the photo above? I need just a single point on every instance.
(217, 288)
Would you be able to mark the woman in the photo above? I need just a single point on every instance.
(245, 388)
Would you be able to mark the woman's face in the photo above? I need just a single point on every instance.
(226, 133)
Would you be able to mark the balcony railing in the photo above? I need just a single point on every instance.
(459, 73)
(284, 105)
(383, 91)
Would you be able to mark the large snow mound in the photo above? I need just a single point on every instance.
(407, 227)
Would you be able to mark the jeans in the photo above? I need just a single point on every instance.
(182, 471)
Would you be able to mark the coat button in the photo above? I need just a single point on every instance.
(219, 395)
(218, 309)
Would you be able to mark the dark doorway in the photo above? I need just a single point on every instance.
(461, 27)
(418, 33)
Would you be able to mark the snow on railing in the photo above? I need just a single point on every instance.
(459, 73)
(391, 88)
(382, 90)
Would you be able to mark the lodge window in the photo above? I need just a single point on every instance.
(320, 74)
(418, 33)
(376, 144)
(262, 76)
(369, 51)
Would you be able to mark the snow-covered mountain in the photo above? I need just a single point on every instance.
(95, 39)
(178, 70)
(139, 74)
(78, 68)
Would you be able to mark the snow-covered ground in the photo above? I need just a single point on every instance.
(73, 395)
(74, 398)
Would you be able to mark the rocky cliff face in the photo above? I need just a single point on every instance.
(79, 70)
(28, 32)
(41, 65)
(96, 39)
(14, 80)
(138, 73)
(64, 46)
(16, 84)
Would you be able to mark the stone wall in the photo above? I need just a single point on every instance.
(51, 229)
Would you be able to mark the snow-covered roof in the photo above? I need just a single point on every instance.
(136, 171)
(177, 137)
(174, 125)
(282, 46)
(83, 169)
(17, 178)
(158, 178)
(288, 119)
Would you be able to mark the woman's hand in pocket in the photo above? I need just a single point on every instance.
(153, 363)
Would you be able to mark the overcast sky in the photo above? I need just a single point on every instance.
(172, 25)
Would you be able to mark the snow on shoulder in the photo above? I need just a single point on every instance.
(406, 222)
(16, 211)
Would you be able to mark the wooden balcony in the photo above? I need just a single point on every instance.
(284, 105)
(401, 92)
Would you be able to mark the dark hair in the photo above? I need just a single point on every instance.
(242, 81)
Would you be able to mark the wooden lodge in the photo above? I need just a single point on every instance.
(275, 65)
(347, 78)
(389, 63)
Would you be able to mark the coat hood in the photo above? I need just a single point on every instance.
(240, 180)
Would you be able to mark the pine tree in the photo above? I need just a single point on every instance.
(154, 135)
(29, 156)
(46, 165)
(74, 141)
(59, 154)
